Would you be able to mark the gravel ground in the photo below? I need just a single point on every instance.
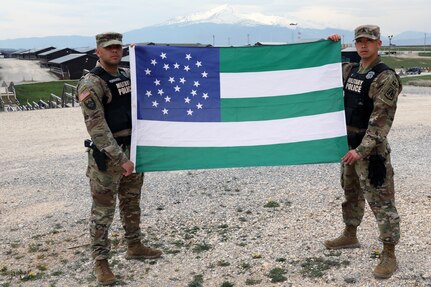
(226, 227)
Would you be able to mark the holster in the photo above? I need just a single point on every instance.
(376, 170)
(99, 156)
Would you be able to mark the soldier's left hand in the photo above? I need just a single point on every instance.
(128, 168)
(351, 157)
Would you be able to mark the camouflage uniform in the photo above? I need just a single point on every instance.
(384, 92)
(106, 185)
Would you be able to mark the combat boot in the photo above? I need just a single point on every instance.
(388, 262)
(104, 274)
(138, 251)
(347, 240)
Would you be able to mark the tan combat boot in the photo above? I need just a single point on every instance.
(388, 262)
(138, 251)
(104, 274)
(347, 240)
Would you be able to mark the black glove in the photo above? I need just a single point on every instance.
(377, 170)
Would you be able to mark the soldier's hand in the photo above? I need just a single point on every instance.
(334, 37)
(351, 157)
(128, 167)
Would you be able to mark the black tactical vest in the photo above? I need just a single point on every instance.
(118, 111)
(358, 105)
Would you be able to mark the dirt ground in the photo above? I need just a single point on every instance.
(18, 71)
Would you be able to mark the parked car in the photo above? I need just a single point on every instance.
(414, 71)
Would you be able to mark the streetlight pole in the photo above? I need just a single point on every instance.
(296, 26)
(390, 43)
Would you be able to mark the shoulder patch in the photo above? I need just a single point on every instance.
(90, 104)
(390, 94)
(84, 95)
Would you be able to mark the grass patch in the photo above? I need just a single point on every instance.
(271, 204)
(251, 281)
(198, 281)
(277, 275)
(34, 247)
(316, 267)
(223, 263)
(199, 248)
(40, 91)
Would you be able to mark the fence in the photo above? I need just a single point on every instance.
(10, 103)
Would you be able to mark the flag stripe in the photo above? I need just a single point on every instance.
(275, 83)
(215, 134)
(278, 57)
(171, 158)
(267, 108)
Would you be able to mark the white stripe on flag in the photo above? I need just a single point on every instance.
(277, 83)
(217, 134)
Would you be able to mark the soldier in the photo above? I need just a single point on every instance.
(371, 91)
(105, 98)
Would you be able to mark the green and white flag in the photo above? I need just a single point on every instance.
(199, 108)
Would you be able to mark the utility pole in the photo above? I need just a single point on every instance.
(425, 41)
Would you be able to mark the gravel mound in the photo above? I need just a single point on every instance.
(224, 227)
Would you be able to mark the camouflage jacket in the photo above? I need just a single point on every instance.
(91, 90)
(384, 91)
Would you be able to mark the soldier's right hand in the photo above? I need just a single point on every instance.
(128, 167)
(334, 37)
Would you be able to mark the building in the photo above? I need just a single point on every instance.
(349, 54)
(34, 53)
(71, 66)
(86, 50)
(47, 56)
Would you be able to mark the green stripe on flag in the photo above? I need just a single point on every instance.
(279, 57)
(181, 158)
(268, 108)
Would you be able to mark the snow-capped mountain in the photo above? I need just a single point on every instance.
(227, 14)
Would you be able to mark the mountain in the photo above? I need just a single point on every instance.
(42, 42)
(222, 26)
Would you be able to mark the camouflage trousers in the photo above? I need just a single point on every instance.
(105, 188)
(357, 188)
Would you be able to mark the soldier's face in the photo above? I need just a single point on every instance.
(110, 55)
(367, 48)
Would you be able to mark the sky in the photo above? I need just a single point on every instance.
(40, 18)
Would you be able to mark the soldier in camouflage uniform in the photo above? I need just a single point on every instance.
(105, 98)
(371, 91)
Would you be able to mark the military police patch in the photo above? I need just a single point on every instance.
(90, 104)
(370, 75)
